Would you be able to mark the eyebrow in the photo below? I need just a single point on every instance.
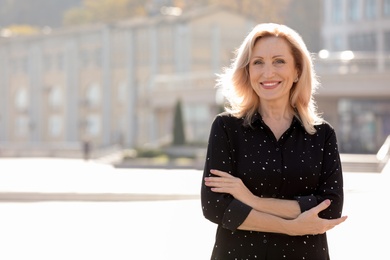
(273, 57)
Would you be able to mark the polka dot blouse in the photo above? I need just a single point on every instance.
(298, 166)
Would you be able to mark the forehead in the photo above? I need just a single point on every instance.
(271, 46)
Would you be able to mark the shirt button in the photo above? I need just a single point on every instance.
(265, 241)
(277, 149)
(278, 170)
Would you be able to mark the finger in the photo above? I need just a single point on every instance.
(217, 179)
(219, 184)
(334, 222)
(320, 207)
(339, 220)
(212, 183)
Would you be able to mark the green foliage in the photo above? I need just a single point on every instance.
(103, 11)
(21, 30)
(149, 153)
(178, 126)
(112, 10)
(77, 16)
(76, 12)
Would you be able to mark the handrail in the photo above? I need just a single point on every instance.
(383, 152)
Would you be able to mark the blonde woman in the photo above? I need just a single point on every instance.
(272, 179)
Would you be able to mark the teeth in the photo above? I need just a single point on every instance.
(270, 84)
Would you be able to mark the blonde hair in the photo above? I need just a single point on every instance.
(236, 87)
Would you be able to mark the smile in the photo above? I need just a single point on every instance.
(270, 84)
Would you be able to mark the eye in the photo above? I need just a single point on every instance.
(280, 61)
(258, 62)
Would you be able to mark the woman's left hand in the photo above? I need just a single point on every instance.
(227, 183)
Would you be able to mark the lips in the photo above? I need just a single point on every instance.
(270, 84)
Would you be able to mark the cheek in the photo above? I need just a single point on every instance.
(253, 74)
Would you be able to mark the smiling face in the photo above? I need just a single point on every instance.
(272, 69)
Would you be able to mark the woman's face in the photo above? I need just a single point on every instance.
(272, 69)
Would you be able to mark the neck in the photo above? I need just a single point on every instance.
(275, 111)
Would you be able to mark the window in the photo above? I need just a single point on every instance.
(386, 7)
(196, 116)
(353, 10)
(21, 99)
(363, 117)
(55, 97)
(93, 95)
(337, 11)
(55, 125)
(362, 42)
(93, 123)
(370, 9)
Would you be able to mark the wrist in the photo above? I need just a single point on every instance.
(253, 201)
(289, 227)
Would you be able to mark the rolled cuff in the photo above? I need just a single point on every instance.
(235, 215)
(306, 202)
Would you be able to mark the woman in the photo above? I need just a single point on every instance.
(272, 179)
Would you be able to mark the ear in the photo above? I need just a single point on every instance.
(296, 76)
(298, 73)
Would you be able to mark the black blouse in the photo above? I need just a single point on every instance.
(298, 166)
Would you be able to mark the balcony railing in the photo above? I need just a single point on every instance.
(173, 82)
(348, 62)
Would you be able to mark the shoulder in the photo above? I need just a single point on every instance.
(324, 126)
(228, 118)
(325, 129)
(227, 121)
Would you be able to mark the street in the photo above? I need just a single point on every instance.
(150, 227)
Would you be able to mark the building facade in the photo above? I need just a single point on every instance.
(354, 68)
(115, 83)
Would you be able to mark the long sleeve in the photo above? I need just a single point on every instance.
(330, 182)
(222, 209)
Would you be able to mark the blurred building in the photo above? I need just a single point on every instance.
(117, 84)
(354, 68)
(114, 84)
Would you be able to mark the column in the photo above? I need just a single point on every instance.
(106, 70)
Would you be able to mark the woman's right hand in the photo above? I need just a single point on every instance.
(309, 223)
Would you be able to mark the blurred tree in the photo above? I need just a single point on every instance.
(178, 126)
(14, 30)
(53, 13)
(77, 16)
(111, 10)
(103, 11)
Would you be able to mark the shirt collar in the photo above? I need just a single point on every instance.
(257, 119)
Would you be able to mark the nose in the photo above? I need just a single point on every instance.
(268, 71)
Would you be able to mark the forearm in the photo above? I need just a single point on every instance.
(264, 222)
(287, 209)
(307, 223)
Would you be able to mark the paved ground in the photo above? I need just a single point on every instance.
(71, 209)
